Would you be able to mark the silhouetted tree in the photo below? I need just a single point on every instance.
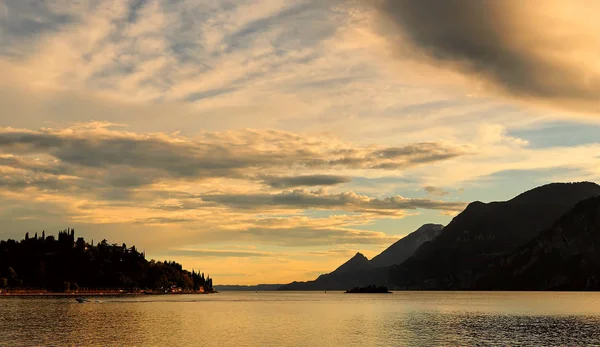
(12, 274)
(55, 263)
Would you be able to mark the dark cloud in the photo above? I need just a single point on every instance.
(218, 253)
(108, 169)
(244, 36)
(180, 159)
(422, 152)
(313, 236)
(175, 159)
(394, 158)
(127, 160)
(41, 182)
(34, 166)
(14, 211)
(334, 253)
(21, 20)
(165, 220)
(306, 181)
(511, 44)
(349, 201)
(297, 17)
(435, 191)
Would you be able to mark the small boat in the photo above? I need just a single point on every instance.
(82, 300)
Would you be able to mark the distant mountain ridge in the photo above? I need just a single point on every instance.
(487, 244)
(357, 263)
(406, 246)
(358, 271)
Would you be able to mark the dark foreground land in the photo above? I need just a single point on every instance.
(66, 265)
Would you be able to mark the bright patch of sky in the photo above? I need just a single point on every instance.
(559, 134)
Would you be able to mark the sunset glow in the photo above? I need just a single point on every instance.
(267, 141)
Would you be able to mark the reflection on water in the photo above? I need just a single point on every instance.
(307, 319)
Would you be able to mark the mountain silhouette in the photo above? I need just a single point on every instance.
(563, 257)
(567, 194)
(406, 246)
(358, 271)
(484, 232)
(355, 272)
(357, 263)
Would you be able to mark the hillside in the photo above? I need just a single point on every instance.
(406, 246)
(567, 194)
(357, 263)
(482, 232)
(66, 264)
(564, 257)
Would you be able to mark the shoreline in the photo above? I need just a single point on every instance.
(91, 294)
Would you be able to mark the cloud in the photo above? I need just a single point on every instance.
(264, 229)
(530, 52)
(333, 252)
(394, 158)
(22, 20)
(348, 201)
(305, 180)
(291, 231)
(218, 253)
(304, 236)
(126, 160)
(165, 220)
(99, 149)
(214, 187)
(431, 190)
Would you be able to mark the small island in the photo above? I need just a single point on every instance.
(369, 290)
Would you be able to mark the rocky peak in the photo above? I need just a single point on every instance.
(356, 263)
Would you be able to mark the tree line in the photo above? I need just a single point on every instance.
(67, 264)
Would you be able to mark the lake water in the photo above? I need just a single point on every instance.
(307, 319)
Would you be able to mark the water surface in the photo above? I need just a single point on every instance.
(307, 319)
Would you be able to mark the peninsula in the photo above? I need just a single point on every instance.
(46, 265)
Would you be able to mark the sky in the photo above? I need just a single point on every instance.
(267, 141)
